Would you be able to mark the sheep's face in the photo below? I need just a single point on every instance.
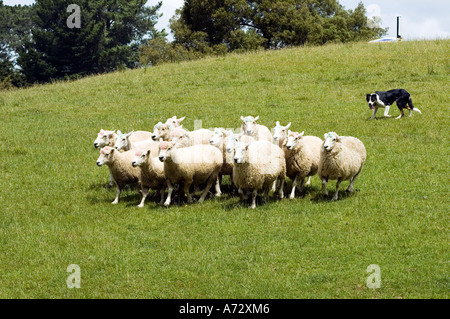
(230, 141)
(280, 132)
(164, 150)
(240, 152)
(330, 140)
(217, 138)
(164, 132)
(122, 141)
(105, 155)
(248, 124)
(102, 139)
(293, 139)
(140, 157)
(155, 135)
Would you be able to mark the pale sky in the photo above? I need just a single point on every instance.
(420, 19)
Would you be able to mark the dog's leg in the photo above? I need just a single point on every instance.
(374, 113)
(401, 114)
(386, 111)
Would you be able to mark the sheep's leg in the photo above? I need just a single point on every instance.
(187, 185)
(169, 194)
(281, 189)
(266, 194)
(144, 196)
(308, 182)
(218, 191)
(118, 191)
(111, 180)
(300, 187)
(162, 189)
(336, 194)
(324, 186)
(274, 185)
(254, 193)
(207, 188)
(294, 185)
(242, 194)
(350, 186)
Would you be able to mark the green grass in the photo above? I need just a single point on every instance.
(56, 211)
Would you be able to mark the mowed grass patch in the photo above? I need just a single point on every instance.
(56, 208)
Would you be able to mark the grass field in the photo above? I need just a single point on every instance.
(56, 209)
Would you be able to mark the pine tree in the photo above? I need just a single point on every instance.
(106, 40)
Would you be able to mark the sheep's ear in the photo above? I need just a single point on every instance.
(325, 136)
(277, 123)
(338, 139)
(256, 118)
(179, 120)
(128, 134)
(148, 153)
(288, 126)
(242, 118)
(289, 132)
(118, 132)
(301, 134)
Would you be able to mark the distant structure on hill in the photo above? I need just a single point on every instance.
(390, 39)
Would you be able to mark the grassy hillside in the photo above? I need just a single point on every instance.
(55, 206)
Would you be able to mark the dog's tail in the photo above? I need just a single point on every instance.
(412, 106)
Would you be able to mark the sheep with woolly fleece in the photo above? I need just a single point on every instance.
(257, 166)
(197, 164)
(152, 173)
(119, 164)
(280, 133)
(124, 143)
(232, 138)
(219, 140)
(170, 122)
(169, 132)
(190, 138)
(105, 138)
(257, 131)
(302, 158)
(341, 159)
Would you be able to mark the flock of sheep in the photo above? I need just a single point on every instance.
(254, 158)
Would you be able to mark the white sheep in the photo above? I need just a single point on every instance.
(169, 132)
(257, 166)
(218, 140)
(170, 122)
(105, 138)
(119, 164)
(341, 159)
(302, 158)
(195, 165)
(200, 136)
(280, 133)
(123, 142)
(152, 173)
(257, 131)
(232, 138)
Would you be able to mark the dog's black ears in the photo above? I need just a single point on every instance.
(368, 97)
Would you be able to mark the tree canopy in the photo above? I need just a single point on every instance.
(244, 24)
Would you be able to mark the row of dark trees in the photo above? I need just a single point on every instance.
(37, 44)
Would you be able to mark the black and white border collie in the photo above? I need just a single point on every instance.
(386, 98)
